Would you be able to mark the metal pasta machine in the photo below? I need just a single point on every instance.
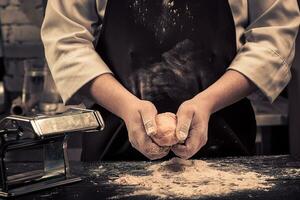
(48, 134)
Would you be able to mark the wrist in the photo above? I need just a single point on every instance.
(109, 93)
(205, 103)
(230, 88)
(129, 105)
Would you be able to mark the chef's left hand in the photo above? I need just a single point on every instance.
(192, 126)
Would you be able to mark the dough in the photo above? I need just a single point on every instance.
(166, 129)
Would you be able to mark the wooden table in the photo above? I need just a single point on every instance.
(286, 185)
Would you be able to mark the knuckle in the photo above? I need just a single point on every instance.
(134, 132)
(192, 108)
(183, 105)
(187, 108)
(189, 149)
(154, 153)
(147, 105)
(148, 151)
(135, 140)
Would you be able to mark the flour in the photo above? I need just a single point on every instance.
(168, 3)
(191, 179)
(287, 173)
(161, 18)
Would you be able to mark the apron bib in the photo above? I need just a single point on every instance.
(167, 51)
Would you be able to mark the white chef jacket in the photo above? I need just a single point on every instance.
(265, 37)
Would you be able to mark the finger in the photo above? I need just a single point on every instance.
(180, 150)
(184, 120)
(150, 127)
(144, 144)
(151, 150)
(196, 140)
(148, 116)
(132, 137)
(154, 152)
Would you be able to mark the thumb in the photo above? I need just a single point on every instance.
(148, 116)
(184, 119)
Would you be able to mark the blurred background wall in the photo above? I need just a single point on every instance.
(21, 21)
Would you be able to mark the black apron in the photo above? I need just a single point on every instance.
(167, 51)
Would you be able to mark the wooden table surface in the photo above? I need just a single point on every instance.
(284, 169)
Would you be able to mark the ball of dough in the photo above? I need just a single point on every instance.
(166, 129)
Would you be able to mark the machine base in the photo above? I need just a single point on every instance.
(39, 186)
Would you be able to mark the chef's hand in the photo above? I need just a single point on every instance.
(192, 127)
(138, 115)
(140, 123)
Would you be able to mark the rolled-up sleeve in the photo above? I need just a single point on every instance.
(269, 48)
(68, 33)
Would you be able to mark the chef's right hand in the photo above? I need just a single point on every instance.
(140, 123)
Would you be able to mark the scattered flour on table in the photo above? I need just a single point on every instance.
(191, 179)
(293, 171)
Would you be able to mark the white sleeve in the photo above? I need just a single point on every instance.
(68, 35)
(269, 49)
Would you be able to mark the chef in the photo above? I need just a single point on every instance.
(197, 59)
